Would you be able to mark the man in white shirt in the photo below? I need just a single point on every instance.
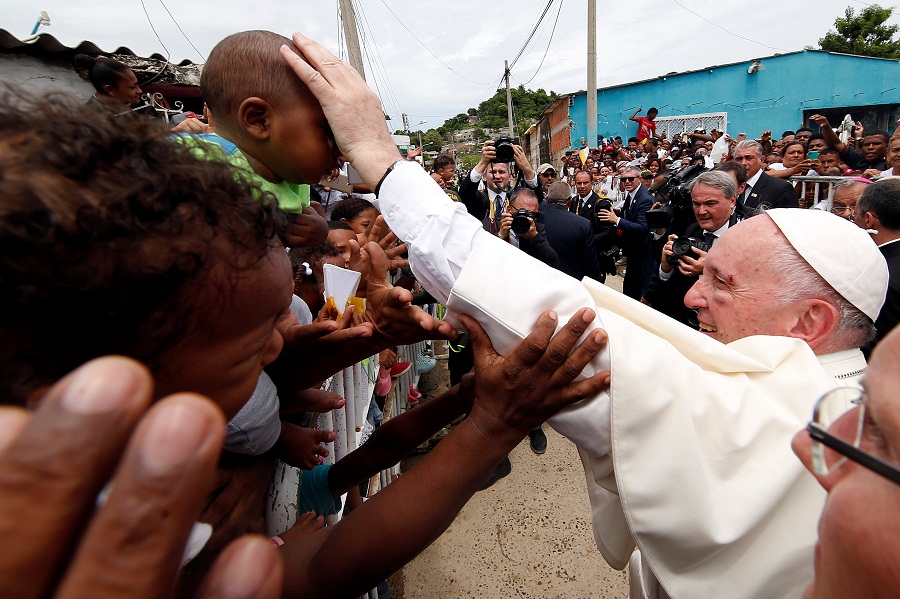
(688, 455)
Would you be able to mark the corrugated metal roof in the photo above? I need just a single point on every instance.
(46, 44)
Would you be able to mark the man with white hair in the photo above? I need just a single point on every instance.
(687, 455)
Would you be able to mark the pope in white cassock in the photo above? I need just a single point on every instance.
(687, 457)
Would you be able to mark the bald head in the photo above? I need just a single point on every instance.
(558, 192)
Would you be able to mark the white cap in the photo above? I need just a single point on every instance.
(842, 253)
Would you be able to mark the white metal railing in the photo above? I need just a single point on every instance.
(821, 187)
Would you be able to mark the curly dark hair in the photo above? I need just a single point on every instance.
(108, 230)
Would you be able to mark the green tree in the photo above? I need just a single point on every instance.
(432, 141)
(864, 34)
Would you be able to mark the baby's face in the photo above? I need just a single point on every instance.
(302, 147)
(233, 335)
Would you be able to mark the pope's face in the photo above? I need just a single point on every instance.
(859, 531)
(735, 297)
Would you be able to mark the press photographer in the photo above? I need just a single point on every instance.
(713, 199)
(487, 203)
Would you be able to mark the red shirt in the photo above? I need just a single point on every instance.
(646, 128)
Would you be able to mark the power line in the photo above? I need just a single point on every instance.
(726, 30)
(200, 54)
(531, 35)
(146, 14)
(559, 10)
(168, 54)
(427, 49)
(363, 27)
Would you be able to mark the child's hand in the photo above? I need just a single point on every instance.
(308, 229)
(390, 308)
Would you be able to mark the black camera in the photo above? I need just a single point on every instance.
(684, 246)
(504, 146)
(680, 212)
(661, 217)
(521, 222)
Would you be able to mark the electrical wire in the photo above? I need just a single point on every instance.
(531, 35)
(726, 30)
(427, 49)
(547, 49)
(379, 61)
(200, 54)
(146, 14)
(168, 54)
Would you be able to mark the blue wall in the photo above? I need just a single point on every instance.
(773, 98)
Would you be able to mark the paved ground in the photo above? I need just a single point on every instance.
(527, 536)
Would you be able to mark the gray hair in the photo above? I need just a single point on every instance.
(855, 329)
(632, 169)
(750, 143)
(848, 183)
(718, 180)
(559, 192)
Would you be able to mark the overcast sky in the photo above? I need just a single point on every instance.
(637, 39)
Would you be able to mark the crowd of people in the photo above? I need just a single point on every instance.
(189, 266)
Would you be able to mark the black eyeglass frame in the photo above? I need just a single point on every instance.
(876, 465)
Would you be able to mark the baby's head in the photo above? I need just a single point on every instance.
(262, 106)
(119, 241)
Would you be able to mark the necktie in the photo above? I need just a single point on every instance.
(746, 194)
(627, 205)
(708, 238)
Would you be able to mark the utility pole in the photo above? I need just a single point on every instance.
(592, 74)
(508, 99)
(348, 20)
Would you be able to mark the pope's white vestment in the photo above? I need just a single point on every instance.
(687, 457)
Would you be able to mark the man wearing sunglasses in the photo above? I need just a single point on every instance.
(632, 226)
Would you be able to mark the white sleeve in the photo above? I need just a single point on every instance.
(665, 276)
(442, 236)
(439, 231)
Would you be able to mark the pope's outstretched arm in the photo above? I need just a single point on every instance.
(443, 238)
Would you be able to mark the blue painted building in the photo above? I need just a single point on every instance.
(777, 92)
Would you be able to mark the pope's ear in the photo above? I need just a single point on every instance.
(255, 117)
(818, 323)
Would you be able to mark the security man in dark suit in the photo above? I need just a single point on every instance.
(633, 229)
(587, 203)
(878, 211)
(714, 200)
(572, 236)
(762, 191)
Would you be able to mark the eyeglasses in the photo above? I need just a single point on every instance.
(836, 435)
(842, 209)
(548, 174)
(627, 179)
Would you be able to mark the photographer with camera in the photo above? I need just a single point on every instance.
(488, 204)
(519, 225)
(713, 197)
(509, 214)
